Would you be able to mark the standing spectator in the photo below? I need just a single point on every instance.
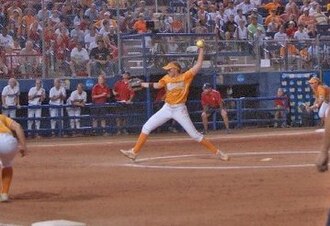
(100, 57)
(212, 102)
(245, 7)
(79, 60)
(10, 98)
(29, 60)
(76, 101)
(36, 96)
(240, 16)
(100, 95)
(123, 94)
(282, 106)
(230, 26)
(254, 26)
(57, 95)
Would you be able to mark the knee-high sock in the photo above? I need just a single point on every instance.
(140, 142)
(7, 175)
(206, 143)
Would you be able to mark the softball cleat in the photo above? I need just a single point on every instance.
(222, 156)
(129, 154)
(322, 163)
(4, 198)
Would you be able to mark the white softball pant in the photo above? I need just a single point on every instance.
(34, 113)
(324, 109)
(8, 149)
(55, 112)
(74, 112)
(177, 112)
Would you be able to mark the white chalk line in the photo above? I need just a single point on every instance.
(141, 163)
(75, 143)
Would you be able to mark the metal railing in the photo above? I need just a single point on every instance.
(241, 114)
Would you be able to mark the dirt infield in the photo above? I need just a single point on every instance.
(270, 180)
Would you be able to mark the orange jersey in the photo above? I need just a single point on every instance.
(322, 92)
(5, 123)
(177, 88)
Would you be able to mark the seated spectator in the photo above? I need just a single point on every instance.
(101, 59)
(6, 40)
(320, 17)
(200, 28)
(90, 36)
(76, 32)
(312, 31)
(76, 102)
(15, 22)
(292, 8)
(305, 19)
(100, 95)
(273, 18)
(282, 106)
(273, 26)
(36, 96)
(57, 95)
(230, 26)
(273, 5)
(140, 26)
(10, 98)
(29, 60)
(229, 10)
(301, 33)
(212, 103)
(29, 18)
(79, 60)
(291, 29)
(281, 36)
(92, 13)
(123, 94)
(245, 7)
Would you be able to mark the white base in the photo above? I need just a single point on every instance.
(58, 223)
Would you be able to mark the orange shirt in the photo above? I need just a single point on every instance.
(28, 20)
(177, 88)
(272, 6)
(291, 50)
(140, 26)
(5, 123)
(322, 92)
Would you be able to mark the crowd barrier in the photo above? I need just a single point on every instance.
(242, 112)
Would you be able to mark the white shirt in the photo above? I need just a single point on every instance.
(6, 41)
(238, 18)
(75, 96)
(241, 33)
(89, 39)
(37, 93)
(281, 37)
(10, 95)
(300, 35)
(79, 56)
(56, 92)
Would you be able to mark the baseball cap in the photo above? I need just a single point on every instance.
(171, 65)
(314, 79)
(207, 86)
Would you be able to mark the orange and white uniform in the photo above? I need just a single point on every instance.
(322, 99)
(8, 143)
(177, 90)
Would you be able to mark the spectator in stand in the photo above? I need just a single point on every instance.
(29, 60)
(101, 59)
(313, 8)
(92, 13)
(281, 36)
(10, 98)
(100, 95)
(273, 17)
(241, 33)
(140, 26)
(230, 26)
(212, 103)
(36, 96)
(229, 10)
(57, 95)
(245, 6)
(306, 19)
(111, 45)
(200, 28)
(282, 106)
(43, 14)
(3, 66)
(301, 33)
(305, 57)
(79, 60)
(123, 94)
(90, 36)
(14, 6)
(78, 33)
(6, 40)
(239, 16)
(29, 18)
(35, 33)
(14, 23)
(293, 8)
(320, 17)
(260, 19)
(273, 5)
(312, 31)
(106, 17)
(291, 29)
(254, 26)
(76, 102)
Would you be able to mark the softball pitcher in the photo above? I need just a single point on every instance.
(9, 146)
(177, 88)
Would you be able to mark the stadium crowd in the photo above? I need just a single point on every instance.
(80, 36)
